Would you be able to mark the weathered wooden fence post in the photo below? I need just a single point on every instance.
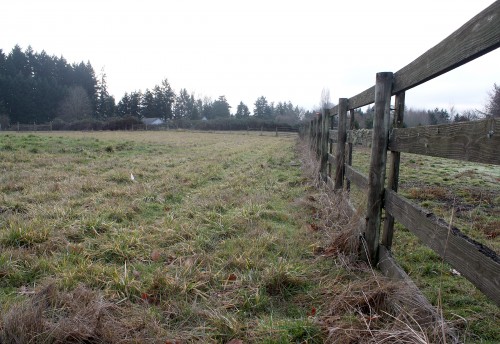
(393, 177)
(330, 146)
(342, 136)
(324, 144)
(349, 147)
(318, 135)
(376, 176)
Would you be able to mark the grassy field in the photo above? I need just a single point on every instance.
(217, 238)
(472, 191)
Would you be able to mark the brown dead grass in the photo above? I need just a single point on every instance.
(79, 316)
(368, 308)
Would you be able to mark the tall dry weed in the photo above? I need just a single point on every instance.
(368, 307)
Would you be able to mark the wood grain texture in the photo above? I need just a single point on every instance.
(393, 177)
(475, 38)
(334, 111)
(318, 135)
(376, 175)
(325, 126)
(349, 146)
(356, 177)
(364, 98)
(476, 141)
(341, 140)
(476, 262)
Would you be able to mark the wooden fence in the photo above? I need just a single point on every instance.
(477, 141)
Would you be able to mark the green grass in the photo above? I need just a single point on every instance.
(207, 230)
(212, 241)
(440, 185)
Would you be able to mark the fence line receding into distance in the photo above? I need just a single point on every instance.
(477, 141)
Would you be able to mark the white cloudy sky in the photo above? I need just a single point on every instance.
(284, 50)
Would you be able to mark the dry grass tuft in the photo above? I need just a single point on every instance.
(51, 316)
(79, 316)
(365, 307)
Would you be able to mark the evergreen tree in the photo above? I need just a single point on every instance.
(221, 107)
(34, 86)
(135, 104)
(193, 112)
(123, 108)
(17, 64)
(198, 105)
(105, 102)
(84, 76)
(262, 108)
(165, 99)
(207, 109)
(3, 59)
(182, 105)
(148, 109)
(242, 111)
(438, 116)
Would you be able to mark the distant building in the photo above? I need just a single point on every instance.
(153, 121)
(204, 119)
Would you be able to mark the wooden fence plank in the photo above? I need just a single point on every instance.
(475, 38)
(364, 98)
(334, 110)
(356, 177)
(476, 141)
(474, 261)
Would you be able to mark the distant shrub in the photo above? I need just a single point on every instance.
(84, 124)
(124, 123)
(249, 123)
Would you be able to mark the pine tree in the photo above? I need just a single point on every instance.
(105, 102)
(123, 108)
(221, 107)
(262, 108)
(135, 104)
(242, 111)
(148, 105)
(182, 105)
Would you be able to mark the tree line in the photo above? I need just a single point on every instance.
(363, 119)
(40, 88)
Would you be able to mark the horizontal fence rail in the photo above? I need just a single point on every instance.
(477, 141)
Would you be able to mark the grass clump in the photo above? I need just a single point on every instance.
(219, 238)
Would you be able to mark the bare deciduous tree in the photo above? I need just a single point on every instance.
(325, 99)
(493, 107)
(75, 106)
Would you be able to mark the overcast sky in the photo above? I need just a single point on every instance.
(284, 50)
